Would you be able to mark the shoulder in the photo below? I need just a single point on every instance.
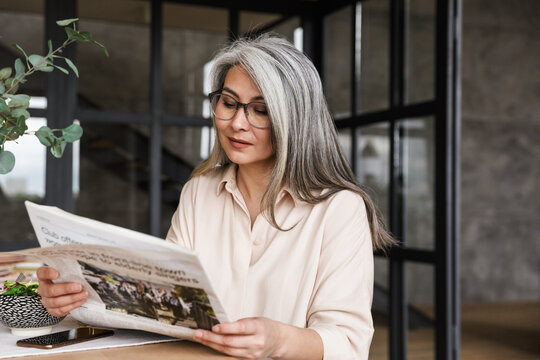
(345, 201)
(208, 181)
(345, 218)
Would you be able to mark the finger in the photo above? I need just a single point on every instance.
(61, 301)
(244, 327)
(229, 341)
(237, 353)
(54, 290)
(47, 273)
(65, 310)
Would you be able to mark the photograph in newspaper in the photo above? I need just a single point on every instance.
(175, 305)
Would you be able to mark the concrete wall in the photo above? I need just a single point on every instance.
(500, 254)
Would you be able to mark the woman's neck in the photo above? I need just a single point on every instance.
(253, 180)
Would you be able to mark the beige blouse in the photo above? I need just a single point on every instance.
(318, 275)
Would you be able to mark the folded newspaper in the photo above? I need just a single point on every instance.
(134, 280)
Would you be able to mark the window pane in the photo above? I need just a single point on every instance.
(188, 46)
(420, 82)
(373, 167)
(291, 30)
(419, 155)
(183, 149)
(119, 82)
(420, 295)
(25, 182)
(29, 15)
(114, 175)
(345, 141)
(190, 145)
(337, 62)
(250, 21)
(372, 55)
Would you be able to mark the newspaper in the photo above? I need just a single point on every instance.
(134, 280)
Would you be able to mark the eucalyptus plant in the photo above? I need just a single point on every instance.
(13, 106)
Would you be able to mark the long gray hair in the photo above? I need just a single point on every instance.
(307, 152)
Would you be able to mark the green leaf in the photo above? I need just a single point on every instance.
(3, 137)
(45, 136)
(2, 88)
(58, 149)
(85, 35)
(101, 46)
(19, 100)
(21, 50)
(49, 43)
(16, 113)
(19, 288)
(61, 69)
(3, 106)
(40, 64)
(37, 60)
(73, 34)
(78, 35)
(5, 73)
(9, 84)
(19, 68)
(66, 22)
(72, 133)
(72, 66)
(7, 161)
(21, 124)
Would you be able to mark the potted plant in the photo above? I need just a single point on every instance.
(22, 311)
(13, 105)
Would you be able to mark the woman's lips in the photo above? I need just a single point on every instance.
(239, 144)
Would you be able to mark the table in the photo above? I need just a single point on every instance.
(185, 350)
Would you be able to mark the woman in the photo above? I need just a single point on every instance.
(276, 214)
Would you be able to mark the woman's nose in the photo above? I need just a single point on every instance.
(240, 121)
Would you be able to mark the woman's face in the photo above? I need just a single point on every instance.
(243, 143)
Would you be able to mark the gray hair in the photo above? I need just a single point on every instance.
(308, 156)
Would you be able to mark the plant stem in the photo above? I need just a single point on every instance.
(32, 69)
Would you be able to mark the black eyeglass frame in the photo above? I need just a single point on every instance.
(238, 104)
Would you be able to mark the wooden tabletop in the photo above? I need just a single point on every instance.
(185, 350)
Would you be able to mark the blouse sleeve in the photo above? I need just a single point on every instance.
(340, 309)
(182, 222)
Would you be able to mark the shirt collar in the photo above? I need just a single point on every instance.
(228, 182)
(228, 179)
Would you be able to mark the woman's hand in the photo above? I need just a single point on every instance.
(250, 338)
(59, 299)
(254, 338)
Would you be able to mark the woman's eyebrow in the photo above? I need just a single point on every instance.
(238, 96)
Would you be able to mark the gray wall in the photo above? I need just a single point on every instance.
(500, 254)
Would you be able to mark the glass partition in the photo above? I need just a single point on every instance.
(337, 62)
(121, 81)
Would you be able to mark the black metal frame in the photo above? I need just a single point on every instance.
(62, 102)
(445, 109)
(62, 109)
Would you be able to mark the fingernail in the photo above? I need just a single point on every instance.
(216, 328)
(75, 287)
(197, 335)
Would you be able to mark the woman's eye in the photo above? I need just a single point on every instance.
(260, 109)
(229, 103)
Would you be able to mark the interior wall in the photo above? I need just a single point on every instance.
(500, 235)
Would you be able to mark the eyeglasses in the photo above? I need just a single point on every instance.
(225, 107)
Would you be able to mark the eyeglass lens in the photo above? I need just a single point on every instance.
(225, 108)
